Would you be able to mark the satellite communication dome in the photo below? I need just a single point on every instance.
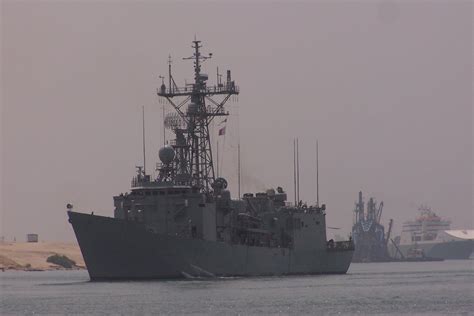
(271, 192)
(166, 154)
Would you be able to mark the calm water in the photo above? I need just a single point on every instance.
(431, 288)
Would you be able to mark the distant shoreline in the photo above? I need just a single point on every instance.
(32, 256)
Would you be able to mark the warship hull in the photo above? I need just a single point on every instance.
(118, 249)
(459, 249)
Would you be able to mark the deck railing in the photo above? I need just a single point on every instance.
(340, 245)
(230, 88)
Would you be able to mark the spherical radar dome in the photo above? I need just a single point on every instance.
(166, 154)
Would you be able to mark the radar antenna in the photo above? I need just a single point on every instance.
(193, 144)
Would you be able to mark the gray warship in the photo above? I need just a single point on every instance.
(183, 223)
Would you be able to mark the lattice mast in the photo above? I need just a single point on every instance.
(194, 162)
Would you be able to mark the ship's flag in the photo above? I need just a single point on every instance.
(222, 131)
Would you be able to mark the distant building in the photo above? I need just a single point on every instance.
(32, 238)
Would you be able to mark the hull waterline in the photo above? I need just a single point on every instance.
(119, 249)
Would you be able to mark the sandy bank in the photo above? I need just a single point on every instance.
(32, 256)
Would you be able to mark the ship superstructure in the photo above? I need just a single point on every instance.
(183, 223)
(426, 227)
(431, 235)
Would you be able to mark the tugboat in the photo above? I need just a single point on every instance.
(184, 223)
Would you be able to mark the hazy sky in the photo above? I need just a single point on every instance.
(386, 87)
